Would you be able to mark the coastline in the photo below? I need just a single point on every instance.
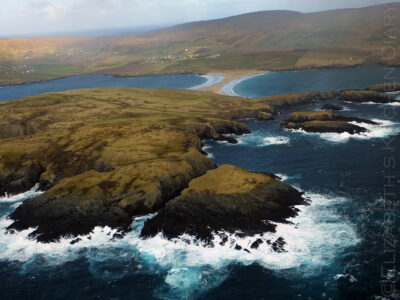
(211, 80)
(231, 79)
(229, 75)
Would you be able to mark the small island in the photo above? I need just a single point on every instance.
(332, 107)
(324, 122)
(358, 96)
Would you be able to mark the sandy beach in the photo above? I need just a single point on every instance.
(230, 76)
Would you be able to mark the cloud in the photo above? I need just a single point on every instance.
(53, 11)
(45, 16)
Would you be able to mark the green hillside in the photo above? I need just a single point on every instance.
(268, 40)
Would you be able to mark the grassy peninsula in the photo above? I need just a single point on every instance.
(105, 155)
(108, 154)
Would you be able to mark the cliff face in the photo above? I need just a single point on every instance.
(105, 155)
(227, 198)
(385, 87)
(366, 96)
(324, 122)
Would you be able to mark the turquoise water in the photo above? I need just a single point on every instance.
(312, 80)
(180, 81)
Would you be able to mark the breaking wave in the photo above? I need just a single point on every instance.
(22, 196)
(312, 240)
(384, 129)
(259, 139)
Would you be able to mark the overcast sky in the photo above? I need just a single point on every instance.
(43, 17)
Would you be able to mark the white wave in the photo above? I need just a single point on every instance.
(209, 154)
(344, 108)
(306, 241)
(211, 79)
(348, 277)
(229, 88)
(283, 177)
(23, 196)
(259, 139)
(395, 94)
(276, 140)
(313, 240)
(397, 103)
(384, 129)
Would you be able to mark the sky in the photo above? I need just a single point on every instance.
(49, 17)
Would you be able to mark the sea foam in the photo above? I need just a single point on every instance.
(259, 139)
(312, 240)
(384, 129)
(23, 196)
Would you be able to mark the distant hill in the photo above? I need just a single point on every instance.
(345, 28)
(267, 40)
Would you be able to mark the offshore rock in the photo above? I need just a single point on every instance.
(324, 122)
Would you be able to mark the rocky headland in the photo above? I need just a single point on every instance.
(104, 156)
(332, 107)
(226, 199)
(358, 96)
(385, 87)
(324, 122)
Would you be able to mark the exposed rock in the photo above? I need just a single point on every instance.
(324, 122)
(227, 138)
(77, 240)
(278, 245)
(327, 127)
(20, 176)
(332, 107)
(105, 155)
(385, 87)
(264, 116)
(365, 96)
(296, 99)
(299, 117)
(256, 244)
(227, 198)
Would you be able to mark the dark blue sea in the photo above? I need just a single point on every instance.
(341, 246)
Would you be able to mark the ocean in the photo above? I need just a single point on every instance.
(338, 247)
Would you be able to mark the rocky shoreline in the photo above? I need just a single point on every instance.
(226, 199)
(325, 122)
(104, 156)
(365, 96)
